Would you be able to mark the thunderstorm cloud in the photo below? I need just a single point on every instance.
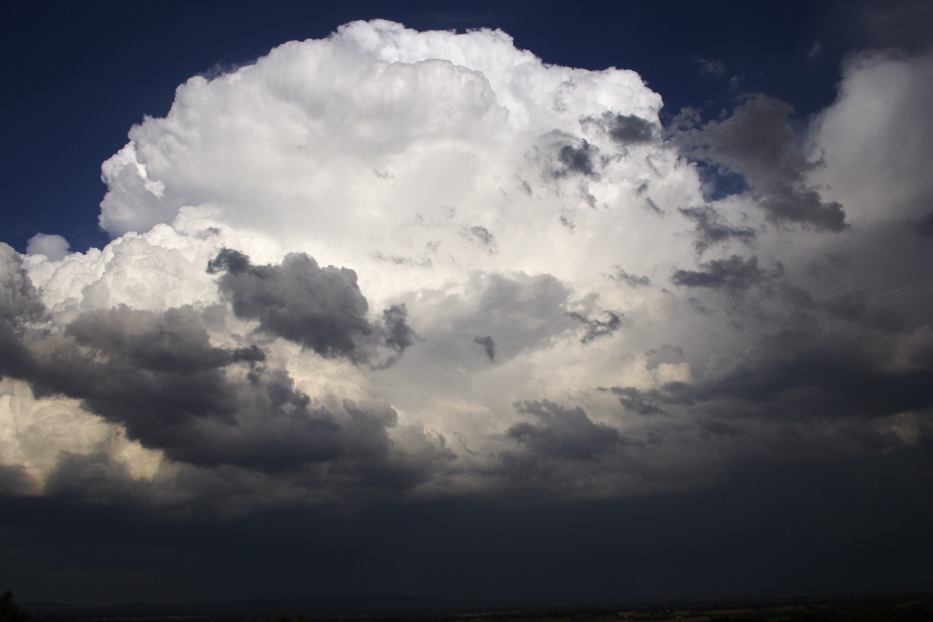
(391, 263)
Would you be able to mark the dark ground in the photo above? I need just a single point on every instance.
(899, 608)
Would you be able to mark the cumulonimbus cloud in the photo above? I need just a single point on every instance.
(429, 263)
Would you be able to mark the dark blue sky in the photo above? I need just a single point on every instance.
(80, 74)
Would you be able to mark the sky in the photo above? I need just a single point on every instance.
(507, 304)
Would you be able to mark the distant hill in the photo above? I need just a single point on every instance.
(329, 605)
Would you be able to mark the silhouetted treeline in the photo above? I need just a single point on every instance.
(9, 612)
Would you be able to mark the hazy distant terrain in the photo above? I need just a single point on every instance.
(897, 608)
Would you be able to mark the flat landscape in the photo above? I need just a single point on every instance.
(895, 608)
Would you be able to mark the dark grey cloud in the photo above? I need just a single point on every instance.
(19, 301)
(790, 377)
(19, 306)
(643, 402)
(96, 477)
(628, 129)
(14, 480)
(805, 206)
(320, 308)
(577, 159)
(818, 378)
(802, 376)
(924, 225)
(632, 280)
(734, 274)
(796, 296)
(562, 432)
(665, 353)
(596, 328)
(635, 400)
(712, 229)
(830, 266)
(858, 306)
(399, 336)
(758, 143)
(905, 25)
(174, 341)
(158, 375)
(15, 358)
(715, 427)
(488, 345)
(624, 129)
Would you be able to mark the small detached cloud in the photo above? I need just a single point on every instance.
(711, 66)
(53, 246)
(815, 50)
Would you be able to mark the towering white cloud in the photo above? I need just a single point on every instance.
(875, 141)
(429, 263)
